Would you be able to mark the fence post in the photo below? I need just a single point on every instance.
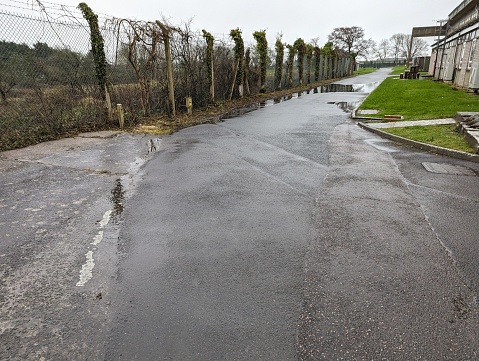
(169, 67)
(108, 103)
(189, 105)
(121, 115)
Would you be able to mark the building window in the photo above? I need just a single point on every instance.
(471, 54)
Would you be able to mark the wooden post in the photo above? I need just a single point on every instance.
(321, 66)
(189, 105)
(169, 70)
(169, 67)
(325, 67)
(108, 104)
(234, 80)
(212, 85)
(121, 115)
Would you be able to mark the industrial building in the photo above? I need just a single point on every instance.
(455, 53)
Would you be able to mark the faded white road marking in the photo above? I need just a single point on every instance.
(86, 272)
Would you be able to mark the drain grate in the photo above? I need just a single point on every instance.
(444, 168)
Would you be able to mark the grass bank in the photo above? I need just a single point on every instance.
(445, 136)
(418, 99)
(422, 99)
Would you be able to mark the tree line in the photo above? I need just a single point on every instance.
(203, 68)
(400, 45)
(154, 67)
(352, 40)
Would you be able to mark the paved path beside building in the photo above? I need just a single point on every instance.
(412, 123)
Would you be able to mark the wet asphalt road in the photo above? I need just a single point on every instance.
(287, 233)
(56, 201)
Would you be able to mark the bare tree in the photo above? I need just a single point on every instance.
(144, 39)
(416, 47)
(351, 40)
(402, 45)
(384, 49)
(396, 42)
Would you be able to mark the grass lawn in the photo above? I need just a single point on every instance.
(362, 71)
(399, 69)
(444, 136)
(418, 99)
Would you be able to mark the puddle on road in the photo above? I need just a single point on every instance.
(346, 107)
(328, 88)
(259, 105)
(381, 144)
(349, 88)
(117, 198)
(123, 189)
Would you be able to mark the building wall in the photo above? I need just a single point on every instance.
(454, 58)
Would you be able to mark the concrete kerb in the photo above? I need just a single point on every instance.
(365, 119)
(423, 146)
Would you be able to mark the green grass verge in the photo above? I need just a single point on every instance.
(445, 136)
(419, 99)
(362, 71)
(399, 69)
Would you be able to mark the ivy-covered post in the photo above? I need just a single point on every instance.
(321, 67)
(210, 62)
(165, 30)
(300, 47)
(330, 66)
(317, 64)
(278, 75)
(326, 67)
(262, 49)
(98, 52)
(291, 53)
(239, 56)
(353, 59)
(247, 62)
(333, 66)
(309, 62)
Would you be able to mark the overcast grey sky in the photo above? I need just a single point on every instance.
(306, 19)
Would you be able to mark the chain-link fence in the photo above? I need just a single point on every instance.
(49, 85)
(47, 78)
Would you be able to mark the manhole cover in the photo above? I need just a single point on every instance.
(444, 168)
